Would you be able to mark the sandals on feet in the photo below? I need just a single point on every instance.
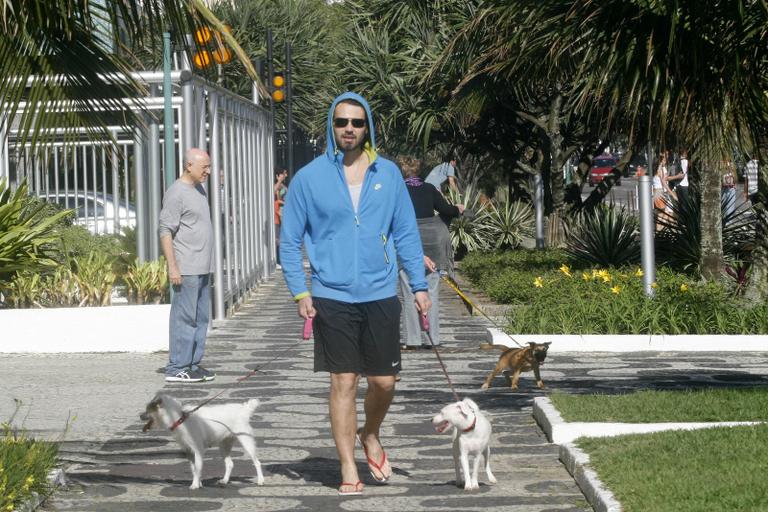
(372, 464)
(357, 489)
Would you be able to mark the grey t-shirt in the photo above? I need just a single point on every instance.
(187, 218)
(439, 174)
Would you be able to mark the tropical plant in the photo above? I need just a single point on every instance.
(147, 282)
(678, 244)
(26, 233)
(95, 279)
(470, 231)
(606, 235)
(509, 222)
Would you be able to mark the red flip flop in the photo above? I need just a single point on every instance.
(372, 464)
(358, 489)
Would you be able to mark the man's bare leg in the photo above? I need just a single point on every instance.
(343, 412)
(381, 390)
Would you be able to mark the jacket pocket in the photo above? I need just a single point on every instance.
(377, 256)
(334, 263)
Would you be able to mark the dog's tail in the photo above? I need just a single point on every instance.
(491, 346)
(252, 404)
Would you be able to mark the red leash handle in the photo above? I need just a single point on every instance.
(424, 323)
(307, 329)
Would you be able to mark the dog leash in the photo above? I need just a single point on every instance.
(306, 334)
(466, 299)
(425, 328)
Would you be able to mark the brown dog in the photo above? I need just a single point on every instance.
(520, 360)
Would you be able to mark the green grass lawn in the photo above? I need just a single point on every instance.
(664, 406)
(717, 469)
(714, 469)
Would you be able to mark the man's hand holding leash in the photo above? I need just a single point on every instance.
(306, 309)
(423, 302)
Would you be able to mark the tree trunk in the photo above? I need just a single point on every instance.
(711, 218)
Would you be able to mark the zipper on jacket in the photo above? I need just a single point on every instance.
(384, 243)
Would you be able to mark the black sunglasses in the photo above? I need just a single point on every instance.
(342, 122)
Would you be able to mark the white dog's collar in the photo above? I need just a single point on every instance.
(472, 426)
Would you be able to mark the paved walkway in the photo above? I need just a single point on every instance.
(113, 466)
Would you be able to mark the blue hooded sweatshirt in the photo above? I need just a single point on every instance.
(353, 257)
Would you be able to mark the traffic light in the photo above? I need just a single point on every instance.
(278, 91)
(211, 48)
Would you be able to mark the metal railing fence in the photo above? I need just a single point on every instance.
(117, 186)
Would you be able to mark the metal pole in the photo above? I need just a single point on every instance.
(141, 217)
(170, 146)
(188, 107)
(215, 191)
(154, 183)
(257, 64)
(270, 77)
(538, 200)
(289, 109)
(647, 229)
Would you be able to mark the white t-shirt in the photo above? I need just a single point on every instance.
(684, 167)
(354, 193)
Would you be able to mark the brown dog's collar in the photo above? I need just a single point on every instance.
(472, 426)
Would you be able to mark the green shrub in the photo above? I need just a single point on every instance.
(27, 231)
(553, 297)
(24, 467)
(148, 282)
(470, 232)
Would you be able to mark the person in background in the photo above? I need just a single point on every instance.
(442, 172)
(751, 180)
(280, 189)
(186, 239)
(350, 210)
(728, 189)
(681, 177)
(436, 242)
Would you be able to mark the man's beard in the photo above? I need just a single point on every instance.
(350, 145)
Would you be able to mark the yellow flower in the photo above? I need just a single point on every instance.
(639, 272)
(538, 282)
(683, 287)
(616, 289)
(654, 285)
(28, 482)
(565, 269)
(606, 277)
(585, 276)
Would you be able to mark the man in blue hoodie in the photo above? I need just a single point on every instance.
(351, 211)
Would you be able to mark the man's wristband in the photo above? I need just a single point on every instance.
(300, 296)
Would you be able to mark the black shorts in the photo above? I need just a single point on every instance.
(357, 338)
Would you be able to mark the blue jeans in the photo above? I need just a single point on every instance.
(411, 316)
(729, 199)
(188, 323)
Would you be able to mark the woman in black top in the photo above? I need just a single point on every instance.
(436, 242)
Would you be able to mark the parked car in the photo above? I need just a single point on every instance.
(100, 218)
(601, 167)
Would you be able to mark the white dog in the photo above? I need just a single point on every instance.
(212, 425)
(471, 436)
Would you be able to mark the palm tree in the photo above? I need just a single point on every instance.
(666, 71)
(67, 50)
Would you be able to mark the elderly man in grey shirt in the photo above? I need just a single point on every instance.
(186, 238)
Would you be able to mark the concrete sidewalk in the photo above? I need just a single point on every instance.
(113, 466)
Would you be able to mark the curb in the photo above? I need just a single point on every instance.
(575, 460)
(56, 478)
